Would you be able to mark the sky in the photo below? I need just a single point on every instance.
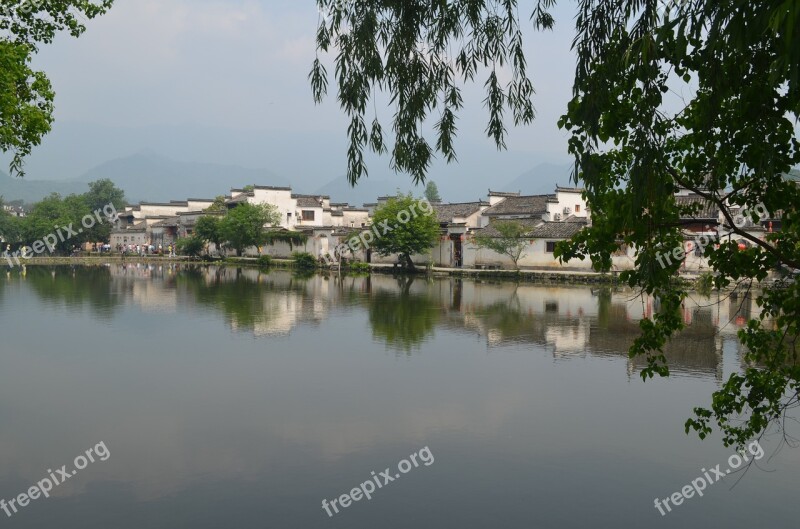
(225, 81)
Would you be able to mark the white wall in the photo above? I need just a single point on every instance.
(167, 210)
(199, 205)
(280, 198)
(566, 199)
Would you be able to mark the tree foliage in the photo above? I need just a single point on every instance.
(509, 240)
(245, 225)
(218, 204)
(26, 103)
(102, 194)
(405, 228)
(730, 140)
(192, 246)
(729, 137)
(208, 229)
(74, 219)
(52, 213)
(26, 96)
(432, 192)
(292, 238)
(420, 53)
(9, 226)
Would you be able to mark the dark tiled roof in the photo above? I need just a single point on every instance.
(240, 199)
(533, 205)
(541, 230)
(199, 212)
(273, 188)
(490, 230)
(704, 210)
(167, 223)
(307, 202)
(557, 230)
(570, 189)
(503, 194)
(448, 212)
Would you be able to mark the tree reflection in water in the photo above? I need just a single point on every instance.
(402, 319)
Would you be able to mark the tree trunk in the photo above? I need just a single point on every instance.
(409, 264)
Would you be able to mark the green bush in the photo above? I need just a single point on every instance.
(304, 260)
(191, 246)
(359, 267)
(265, 261)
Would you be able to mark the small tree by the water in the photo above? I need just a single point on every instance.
(190, 246)
(405, 226)
(245, 225)
(208, 229)
(510, 240)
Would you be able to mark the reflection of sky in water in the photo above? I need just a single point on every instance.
(230, 398)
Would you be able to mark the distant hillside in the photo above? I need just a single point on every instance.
(367, 190)
(540, 180)
(150, 177)
(30, 191)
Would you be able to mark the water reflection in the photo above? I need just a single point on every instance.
(76, 288)
(238, 398)
(403, 313)
(401, 318)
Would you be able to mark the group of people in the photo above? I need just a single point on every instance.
(143, 249)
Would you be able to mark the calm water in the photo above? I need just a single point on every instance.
(234, 399)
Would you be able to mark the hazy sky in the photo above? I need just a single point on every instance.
(238, 68)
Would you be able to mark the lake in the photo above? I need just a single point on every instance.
(232, 398)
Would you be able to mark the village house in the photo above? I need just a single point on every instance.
(153, 223)
(551, 218)
(548, 219)
(14, 211)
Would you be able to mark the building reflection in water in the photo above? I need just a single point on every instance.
(404, 313)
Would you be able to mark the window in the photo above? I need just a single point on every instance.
(550, 246)
(308, 214)
(577, 208)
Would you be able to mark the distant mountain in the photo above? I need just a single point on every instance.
(151, 177)
(540, 180)
(30, 191)
(368, 190)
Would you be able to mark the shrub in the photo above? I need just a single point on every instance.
(265, 261)
(304, 260)
(191, 246)
(359, 267)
